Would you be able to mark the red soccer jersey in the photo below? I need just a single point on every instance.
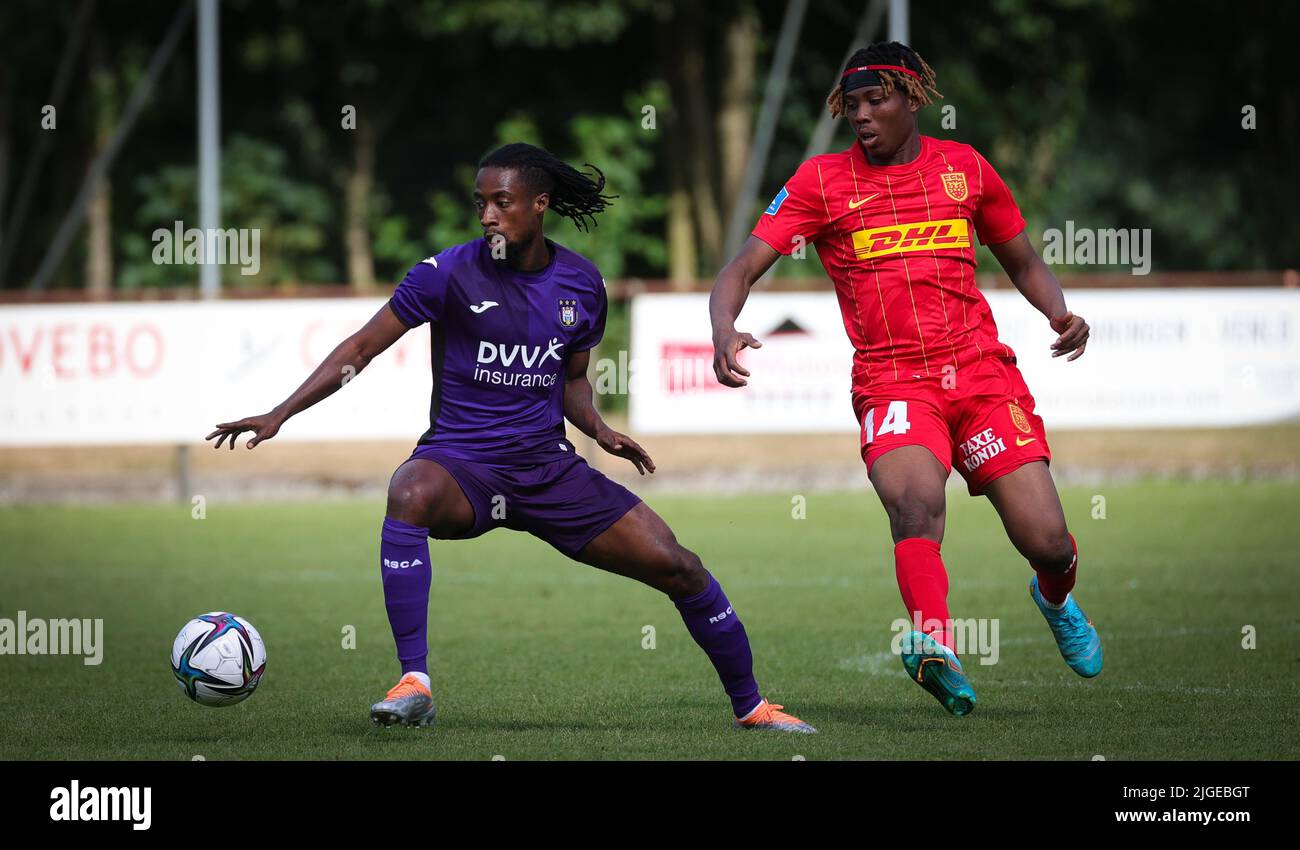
(897, 242)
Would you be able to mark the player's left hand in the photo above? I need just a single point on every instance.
(621, 445)
(1073, 332)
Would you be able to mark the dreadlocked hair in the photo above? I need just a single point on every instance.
(919, 88)
(574, 195)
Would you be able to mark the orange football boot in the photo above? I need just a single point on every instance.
(408, 703)
(770, 716)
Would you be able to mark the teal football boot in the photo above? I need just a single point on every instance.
(1075, 634)
(936, 668)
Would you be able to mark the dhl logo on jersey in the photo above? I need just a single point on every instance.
(918, 236)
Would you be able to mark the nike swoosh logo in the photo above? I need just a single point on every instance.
(853, 205)
(486, 305)
(1024, 441)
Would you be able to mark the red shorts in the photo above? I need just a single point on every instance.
(980, 420)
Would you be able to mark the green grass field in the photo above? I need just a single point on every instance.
(536, 657)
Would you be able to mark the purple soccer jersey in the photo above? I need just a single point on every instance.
(500, 339)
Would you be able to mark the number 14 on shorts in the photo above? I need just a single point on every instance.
(895, 421)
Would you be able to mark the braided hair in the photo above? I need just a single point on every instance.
(574, 195)
(919, 88)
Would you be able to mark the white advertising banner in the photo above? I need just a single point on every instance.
(159, 373)
(1157, 358)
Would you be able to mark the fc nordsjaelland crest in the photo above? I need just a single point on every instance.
(568, 312)
(1018, 418)
(954, 184)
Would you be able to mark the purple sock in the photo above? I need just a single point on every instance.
(404, 562)
(716, 628)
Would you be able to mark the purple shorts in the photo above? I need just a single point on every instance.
(564, 502)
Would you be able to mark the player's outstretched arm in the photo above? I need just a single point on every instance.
(730, 290)
(1041, 288)
(343, 363)
(579, 410)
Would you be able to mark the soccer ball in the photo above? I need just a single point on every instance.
(218, 659)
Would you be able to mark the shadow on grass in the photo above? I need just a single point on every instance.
(906, 716)
(401, 733)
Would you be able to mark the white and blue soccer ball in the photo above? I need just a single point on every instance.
(218, 659)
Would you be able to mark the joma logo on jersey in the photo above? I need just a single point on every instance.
(921, 236)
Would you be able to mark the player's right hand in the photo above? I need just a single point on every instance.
(1073, 332)
(264, 427)
(726, 365)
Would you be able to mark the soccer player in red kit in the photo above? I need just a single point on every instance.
(894, 219)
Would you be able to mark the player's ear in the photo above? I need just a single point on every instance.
(542, 202)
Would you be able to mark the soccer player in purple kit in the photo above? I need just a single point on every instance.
(513, 318)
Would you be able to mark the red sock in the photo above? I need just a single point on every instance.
(1055, 586)
(924, 584)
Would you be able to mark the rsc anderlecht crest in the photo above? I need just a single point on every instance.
(568, 312)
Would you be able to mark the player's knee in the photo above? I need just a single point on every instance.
(410, 496)
(1051, 551)
(685, 575)
(915, 516)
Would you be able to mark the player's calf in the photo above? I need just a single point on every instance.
(407, 573)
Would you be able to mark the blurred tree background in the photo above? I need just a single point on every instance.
(1121, 114)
